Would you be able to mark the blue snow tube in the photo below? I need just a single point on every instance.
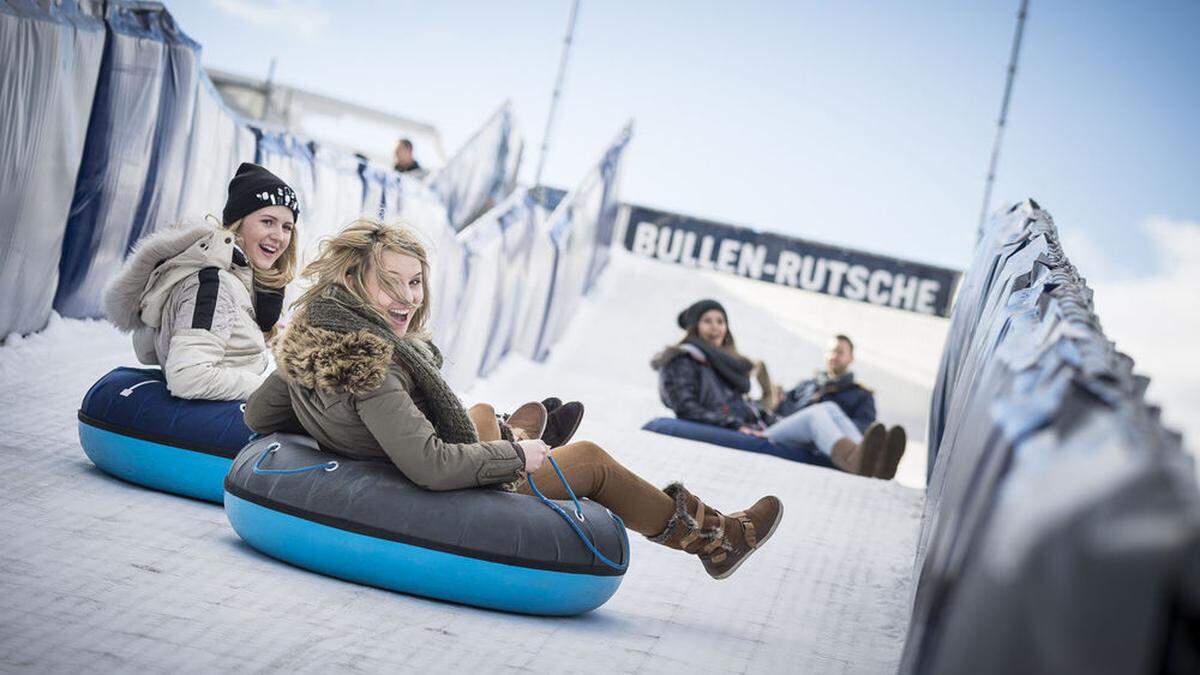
(131, 427)
(363, 521)
(708, 433)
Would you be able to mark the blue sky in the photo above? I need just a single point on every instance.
(862, 124)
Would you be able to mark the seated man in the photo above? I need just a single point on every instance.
(837, 414)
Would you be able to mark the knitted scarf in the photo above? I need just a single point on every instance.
(338, 310)
(733, 370)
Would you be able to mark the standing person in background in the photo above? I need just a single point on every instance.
(837, 414)
(201, 301)
(404, 161)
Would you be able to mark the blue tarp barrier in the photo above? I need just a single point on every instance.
(44, 115)
(579, 239)
(476, 301)
(1061, 529)
(483, 172)
(485, 316)
(516, 217)
(217, 144)
(396, 188)
(603, 207)
(420, 209)
(375, 179)
(337, 197)
(135, 144)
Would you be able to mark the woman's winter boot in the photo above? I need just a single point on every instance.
(860, 458)
(722, 542)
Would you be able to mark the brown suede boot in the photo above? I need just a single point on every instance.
(722, 542)
(895, 442)
(860, 459)
(530, 418)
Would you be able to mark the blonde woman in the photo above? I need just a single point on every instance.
(358, 372)
(201, 301)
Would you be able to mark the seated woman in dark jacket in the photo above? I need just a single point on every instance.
(358, 372)
(704, 378)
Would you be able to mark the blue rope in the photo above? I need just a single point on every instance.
(579, 515)
(328, 466)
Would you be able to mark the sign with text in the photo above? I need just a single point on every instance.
(832, 270)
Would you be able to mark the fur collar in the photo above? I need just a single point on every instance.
(133, 297)
(672, 351)
(317, 358)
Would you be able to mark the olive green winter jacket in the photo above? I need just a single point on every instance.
(345, 390)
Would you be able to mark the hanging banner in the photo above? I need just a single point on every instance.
(832, 270)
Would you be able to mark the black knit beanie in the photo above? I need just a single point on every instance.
(252, 188)
(691, 316)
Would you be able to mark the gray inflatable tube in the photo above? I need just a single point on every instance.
(363, 521)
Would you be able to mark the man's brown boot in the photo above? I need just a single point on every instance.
(722, 542)
(860, 459)
(894, 443)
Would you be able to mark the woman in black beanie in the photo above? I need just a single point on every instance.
(202, 300)
(705, 379)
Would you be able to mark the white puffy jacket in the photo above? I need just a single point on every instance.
(187, 295)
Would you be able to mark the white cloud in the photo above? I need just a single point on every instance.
(306, 18)
(1155, 319)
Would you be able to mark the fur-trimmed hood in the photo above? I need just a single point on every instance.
(671, 351)
(135, 297)
(318, 358)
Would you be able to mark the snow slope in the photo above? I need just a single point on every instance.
(97, 574)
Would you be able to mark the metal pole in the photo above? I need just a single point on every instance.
(558, 83)
(1008, 85)
(268, 86)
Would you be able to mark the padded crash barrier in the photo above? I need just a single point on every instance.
(708, 433)
(483, 171)
(132, 428)
(363, 521)
(131, 176)
(1061, 530)
(44, 117)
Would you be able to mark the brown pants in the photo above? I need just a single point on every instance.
(594, 474)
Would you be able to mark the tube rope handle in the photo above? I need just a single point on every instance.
(579, 515)
(328, 466)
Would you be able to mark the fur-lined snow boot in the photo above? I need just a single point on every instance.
(722, 542)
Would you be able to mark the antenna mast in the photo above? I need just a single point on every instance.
(1008, 85)
(558, 83)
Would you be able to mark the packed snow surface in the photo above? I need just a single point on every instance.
(97, 574)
